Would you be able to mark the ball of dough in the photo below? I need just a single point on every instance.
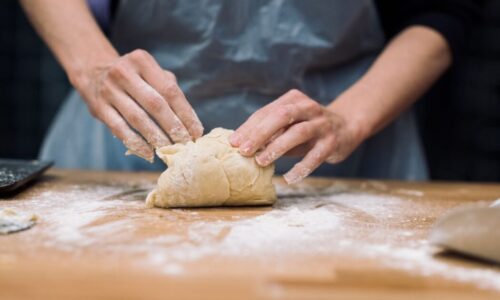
(12, 221)
(210, 172)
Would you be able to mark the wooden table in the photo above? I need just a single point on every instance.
(324, 239)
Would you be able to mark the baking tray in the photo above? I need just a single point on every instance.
(15, 173)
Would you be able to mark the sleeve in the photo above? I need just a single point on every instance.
(451, 18)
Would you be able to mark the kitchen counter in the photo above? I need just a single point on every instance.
(323, 239)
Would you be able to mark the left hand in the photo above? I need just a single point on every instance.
(294, 124)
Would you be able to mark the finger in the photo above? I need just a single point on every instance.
(138, 119)
(181, 106)
(296, 135)
(156, 106)
(188, 125)
(148, 97)
(165, 83)
(119, 128)
(282, 116)
(239, 136)
(309, 163)
(277, 134)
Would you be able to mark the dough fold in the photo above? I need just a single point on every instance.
(210, 172)
(12, 221)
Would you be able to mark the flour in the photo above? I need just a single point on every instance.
(496, 203)
(312, 226)
(13, 221)
(336, 222)
(420, 259)
(408, 192)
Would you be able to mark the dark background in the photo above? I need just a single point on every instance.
(32, 85)
(459, 119)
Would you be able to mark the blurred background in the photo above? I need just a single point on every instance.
(459, 119)
(32, 85)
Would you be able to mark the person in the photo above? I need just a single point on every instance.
(318, 80)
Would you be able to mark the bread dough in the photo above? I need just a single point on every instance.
(210, 172)
(12, 221)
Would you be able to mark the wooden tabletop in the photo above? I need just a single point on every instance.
(324, 239)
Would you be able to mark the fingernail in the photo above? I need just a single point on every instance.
(179, 135)
(262, 160)
(234, 139)
(137, 147)
(199, 131)
(297, 175)
(292, 178)
(246, 148)
(158, 140)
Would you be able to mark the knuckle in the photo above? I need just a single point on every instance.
(118, 71)
(313, 106)
(284, 112)
(139, 55)
(303, 130)
(134, 117)
(104, 90)
(170, 76)
(325, 125)
(170, 90)
(294, 93)
(153, 103)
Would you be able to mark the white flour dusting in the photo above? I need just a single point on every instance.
(496, 203)
(334, 222)
(408, 192)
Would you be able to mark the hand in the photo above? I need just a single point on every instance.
(294, 124)
(134, 91)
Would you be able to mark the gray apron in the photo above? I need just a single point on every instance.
(233, 57)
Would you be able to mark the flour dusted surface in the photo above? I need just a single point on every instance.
(341, 224)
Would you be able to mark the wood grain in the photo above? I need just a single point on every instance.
(35, 264)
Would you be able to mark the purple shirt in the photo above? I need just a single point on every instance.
(101, 11)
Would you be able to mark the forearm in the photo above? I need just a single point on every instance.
(404, 71)
(71, 32)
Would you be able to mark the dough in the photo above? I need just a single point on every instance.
(210, 172)
(12, 221)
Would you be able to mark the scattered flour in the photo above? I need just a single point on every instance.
(408, 192)
(333, 222)
(496, 203)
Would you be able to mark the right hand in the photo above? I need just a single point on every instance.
(134, 91)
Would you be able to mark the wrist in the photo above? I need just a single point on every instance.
(83, 68)
(356, 123)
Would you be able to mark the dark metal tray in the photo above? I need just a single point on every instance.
(16, 173)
